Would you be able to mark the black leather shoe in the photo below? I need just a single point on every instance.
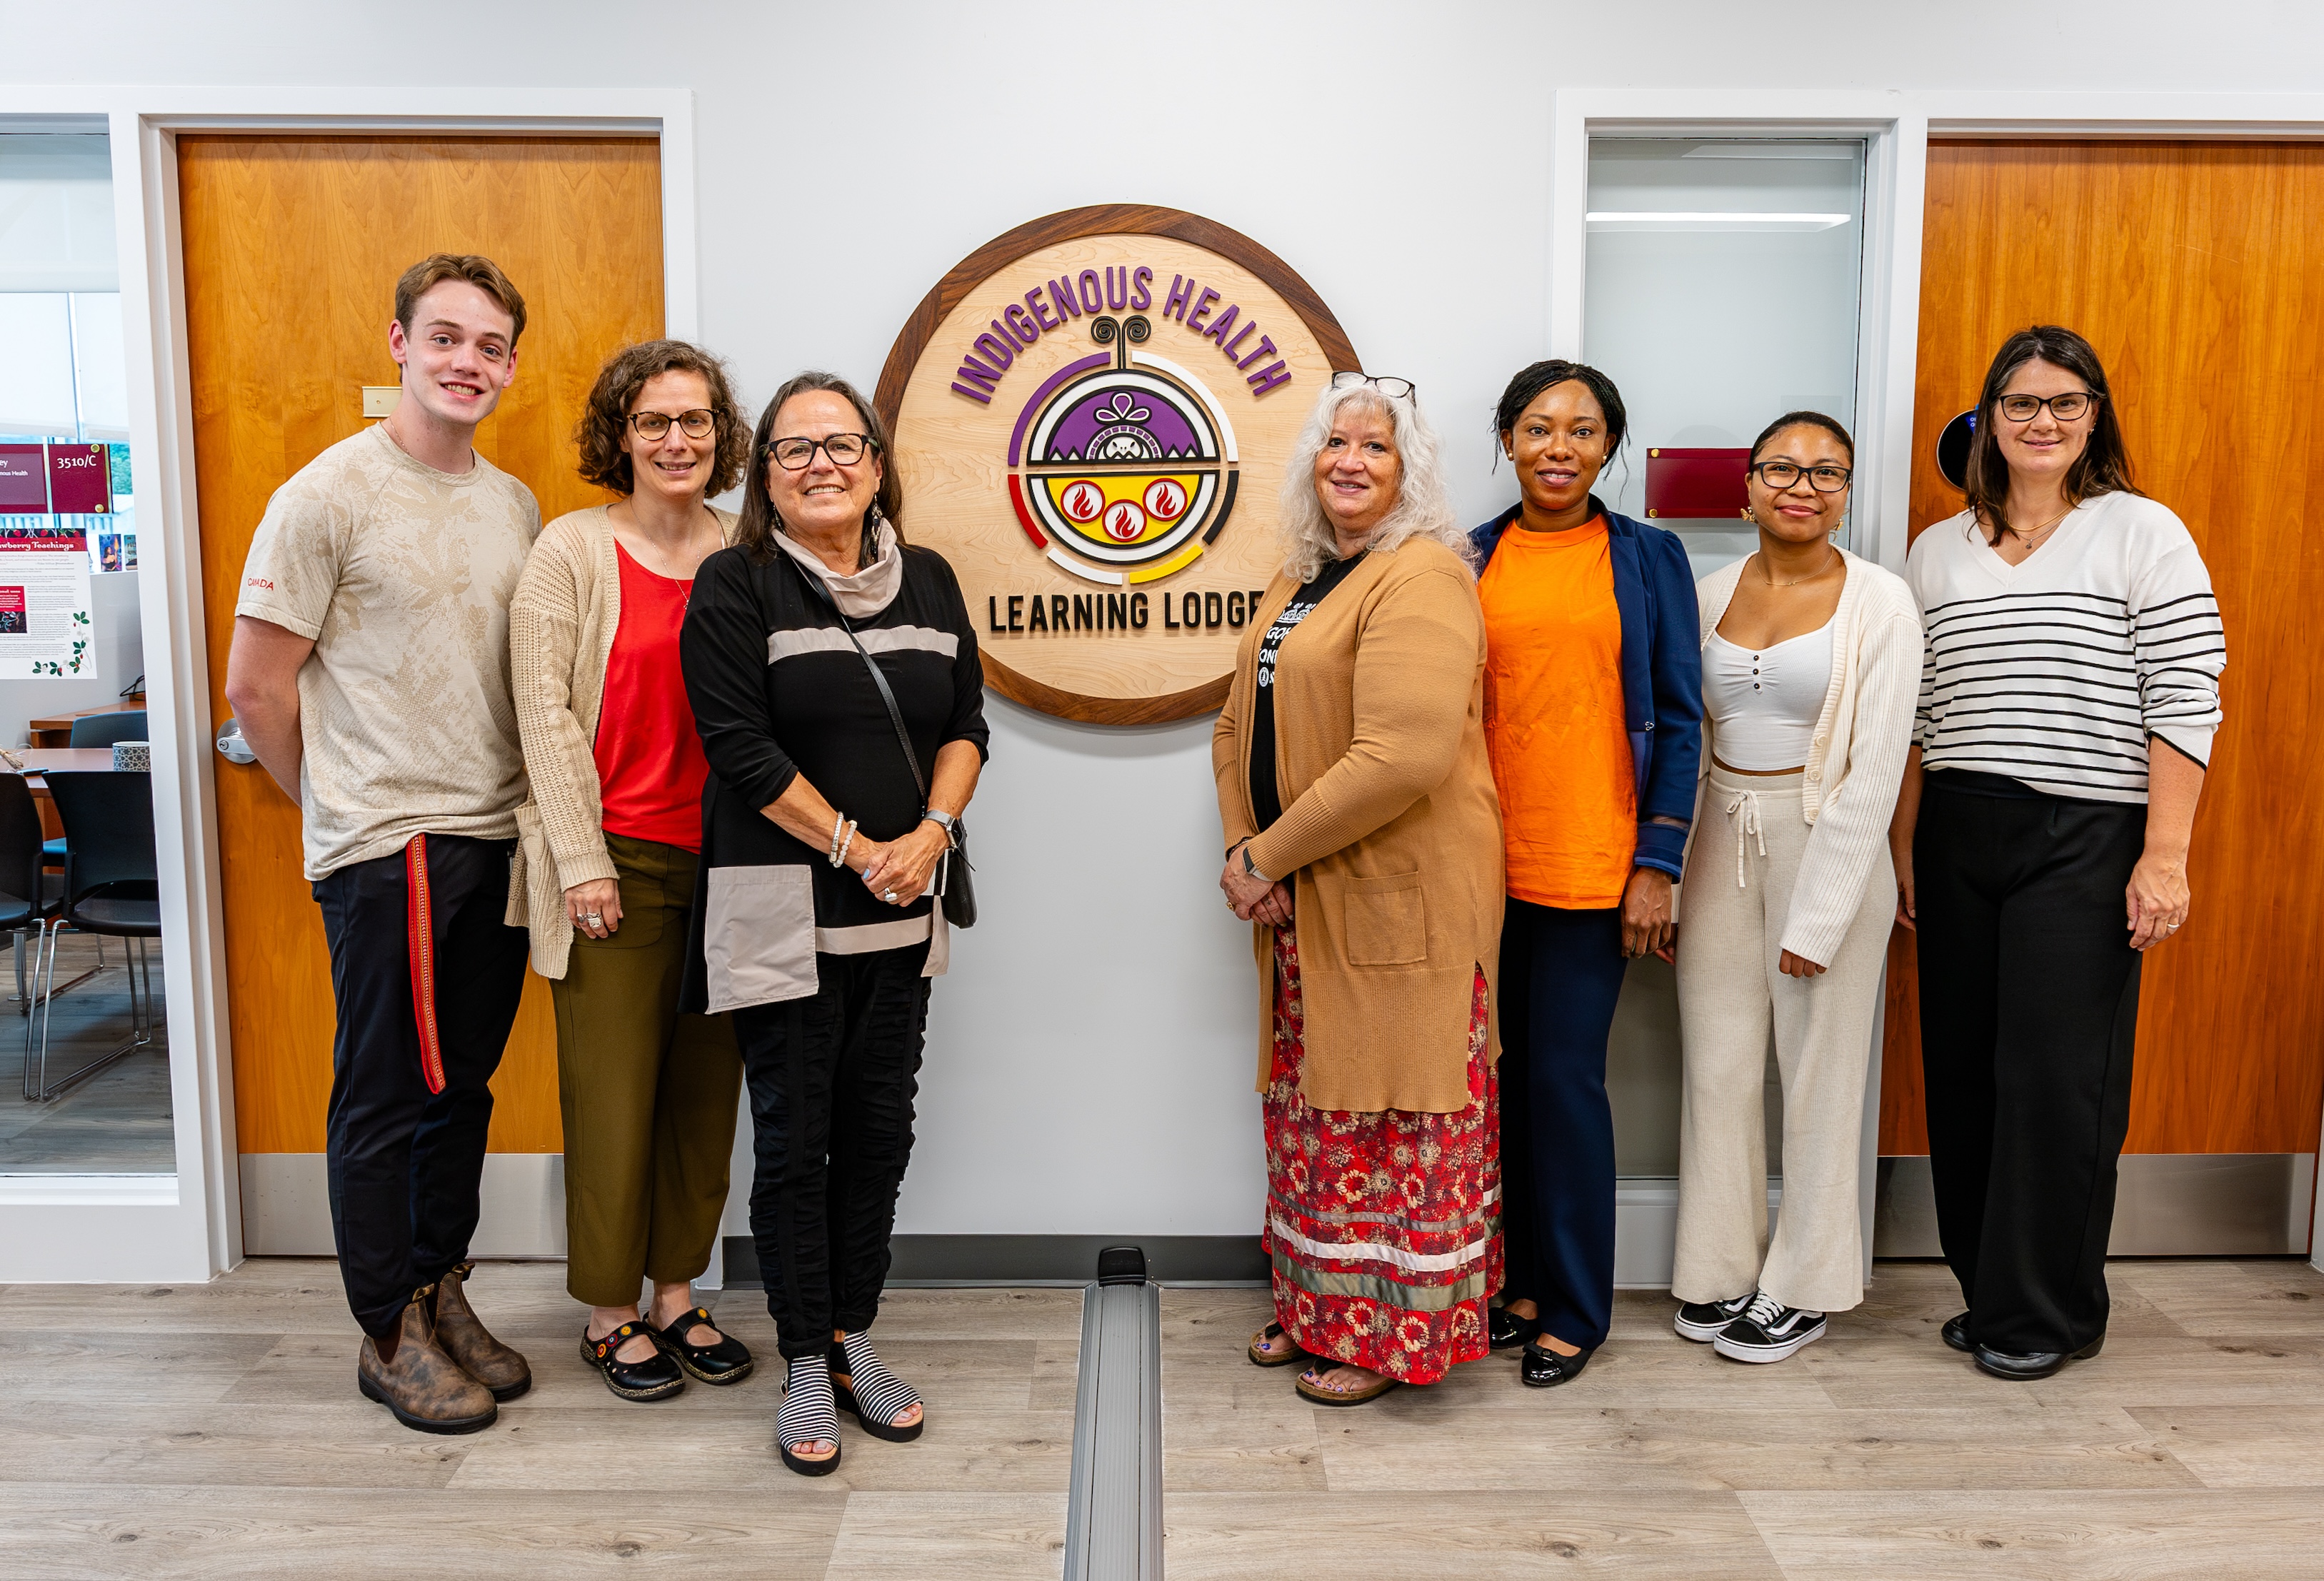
(2039, 1363)
(1504, 1330)
(655, 1378)
(1956, 1332)
(725, 1361)
(1546, 1369)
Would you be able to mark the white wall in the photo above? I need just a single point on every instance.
(1091, 1055)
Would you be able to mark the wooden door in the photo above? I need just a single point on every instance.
(2197, 268)
(292, 247)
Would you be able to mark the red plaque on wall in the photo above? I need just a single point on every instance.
(79, 479)
(23, 480)
(1697, 483)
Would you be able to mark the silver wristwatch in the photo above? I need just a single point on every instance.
(944, 820)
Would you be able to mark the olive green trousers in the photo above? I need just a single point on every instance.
(648, 1096)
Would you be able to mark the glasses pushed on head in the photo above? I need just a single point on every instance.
(1394, 389)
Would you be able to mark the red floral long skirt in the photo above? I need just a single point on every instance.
(1384, 1229)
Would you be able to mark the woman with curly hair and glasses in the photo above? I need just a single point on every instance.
(606, 862)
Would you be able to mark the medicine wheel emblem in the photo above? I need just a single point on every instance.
(1122, 466)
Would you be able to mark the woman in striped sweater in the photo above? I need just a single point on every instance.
(2069, 694)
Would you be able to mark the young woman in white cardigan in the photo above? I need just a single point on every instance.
(1810, 663)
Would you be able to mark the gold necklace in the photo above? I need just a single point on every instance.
(2027, 538)
(1830, 561)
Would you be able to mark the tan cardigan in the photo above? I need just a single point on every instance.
(561, 623)
(1390, 822)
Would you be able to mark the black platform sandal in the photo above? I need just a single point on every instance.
(807, 1416)
(875, 1397)
(655, 1378)
(726, 1360)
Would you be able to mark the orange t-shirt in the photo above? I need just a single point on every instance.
(1554, 721)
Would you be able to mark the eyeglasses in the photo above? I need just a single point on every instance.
(845, 450)
(1394, 389)
(696, 424)
(2066, 407)
(1780, 475)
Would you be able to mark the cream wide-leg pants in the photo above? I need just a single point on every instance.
(1748, 844)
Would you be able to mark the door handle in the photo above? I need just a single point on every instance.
(232, 745)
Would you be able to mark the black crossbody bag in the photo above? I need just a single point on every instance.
(955, 888)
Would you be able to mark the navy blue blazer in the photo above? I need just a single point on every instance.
(1662, 672)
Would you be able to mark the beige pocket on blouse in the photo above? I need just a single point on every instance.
(758, 936)
(1386, 920)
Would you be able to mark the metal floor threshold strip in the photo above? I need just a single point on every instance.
(1113, 1509)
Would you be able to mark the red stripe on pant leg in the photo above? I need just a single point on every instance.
(420, 933)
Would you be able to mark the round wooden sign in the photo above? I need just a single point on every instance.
(1091, 415)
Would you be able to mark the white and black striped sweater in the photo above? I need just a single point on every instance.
(2056, 671)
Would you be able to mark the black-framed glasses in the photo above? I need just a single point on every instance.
(845, 450)
(1780, 475)
(1394, 389)
(2066, 407)
(697, 424)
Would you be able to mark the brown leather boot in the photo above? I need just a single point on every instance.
(426, 1389)
(467, 1341)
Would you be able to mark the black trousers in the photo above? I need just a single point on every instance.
(2029, 1007)
(832, 1079)
(1560, 977)
(405, 1162)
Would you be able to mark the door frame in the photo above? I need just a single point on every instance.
(100, 1227)
(1896, 127)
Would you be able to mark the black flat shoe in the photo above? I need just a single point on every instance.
(655, 1378)
(1956, 1332)
(1546, 1369)
(1504, 1330)
(728, 1361)
(2027, 1368)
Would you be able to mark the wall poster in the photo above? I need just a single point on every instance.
(45, 624)
(1091, 415)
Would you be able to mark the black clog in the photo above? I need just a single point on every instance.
(657, 1377)
(728, 1361)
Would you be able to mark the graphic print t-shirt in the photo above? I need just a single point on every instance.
(1266, 802)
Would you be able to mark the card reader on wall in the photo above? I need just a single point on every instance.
(1702, 483)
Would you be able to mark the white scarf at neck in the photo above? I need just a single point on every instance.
(873, 587)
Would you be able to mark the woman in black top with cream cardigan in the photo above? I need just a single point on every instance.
(816, 923)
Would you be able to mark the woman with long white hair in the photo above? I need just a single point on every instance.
(1364, 843)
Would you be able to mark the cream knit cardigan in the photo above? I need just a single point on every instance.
(1865, 728)
(567, 607)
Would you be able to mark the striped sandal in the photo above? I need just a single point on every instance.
(872, 1394)
(807, 1416)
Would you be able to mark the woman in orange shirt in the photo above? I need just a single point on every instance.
(1593, 717)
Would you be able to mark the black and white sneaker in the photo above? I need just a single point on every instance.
(1768, 1331)
(1702, 1321)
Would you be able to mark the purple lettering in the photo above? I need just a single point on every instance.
(1145, 298)
(1225, 322)
(1117, 288)
(1242, 335)
(1194, 320)
(1268, 378)
(998, 349)
(1021, 324)
(1040, 310)
(1090, 296)
(973, 395)
(1060, 292)
(984, 376)
(1265, 346)
(1181, 287)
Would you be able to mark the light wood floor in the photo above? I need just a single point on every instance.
(215, 1430)
(2192, 1446)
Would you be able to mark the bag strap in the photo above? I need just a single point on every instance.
(888, 696)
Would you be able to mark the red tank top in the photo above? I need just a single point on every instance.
(650, 762)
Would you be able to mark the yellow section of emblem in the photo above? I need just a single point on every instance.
(1119, 510)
